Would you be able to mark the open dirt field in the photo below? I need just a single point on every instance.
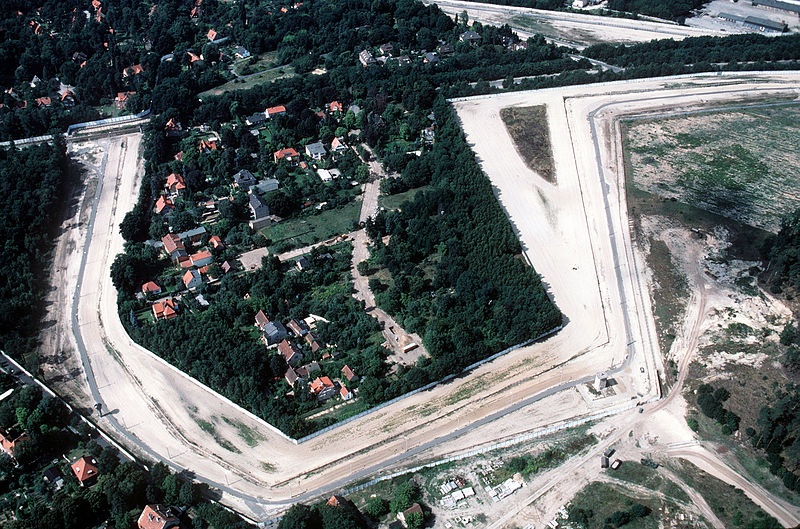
(575, 234)
(739, 163)
(578, 30)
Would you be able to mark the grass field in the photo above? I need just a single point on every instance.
(267, 76)
(528, 128)
(309, 229)
(393, 201)
(599, 501)
(740, 164)
(730, 504)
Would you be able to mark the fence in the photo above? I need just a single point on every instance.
(502, 444)
(77, 127)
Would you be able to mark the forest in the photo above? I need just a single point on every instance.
(30, 210)
(120, 493)
(707, 51)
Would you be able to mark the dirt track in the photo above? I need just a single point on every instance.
(568, 236)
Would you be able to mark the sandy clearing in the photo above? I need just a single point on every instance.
(567, 222)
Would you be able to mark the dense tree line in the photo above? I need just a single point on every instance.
(32, 184)
(677, 10)
(776, 433)
(120, 494)
(782, 254)
(745, 48)
(711, 402)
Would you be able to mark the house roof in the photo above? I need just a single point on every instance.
(244, 177)
(216, 242)
(134, 69)
(43, 101)
(338, 143)
(157, 516)
(211, 35)
(335, 106)
(415, 508)
(316, 148)
(150, 287)
(9, 439)
(291, 376)
(261, 318)
(172, 242)
(85, 468)
(298, 327)
(176, 180)
(279, 109)
(348, 373)
(189, 276)
(289, 152)
(123, 96)
(344, 392)
(336, 501)
(321, 383)
(202, 254)
(287, 349)
(164, 309)
(163, 203)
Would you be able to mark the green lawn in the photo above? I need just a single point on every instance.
(394, 201)
(309, 228)
(244, 84)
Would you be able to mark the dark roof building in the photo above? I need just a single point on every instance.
(244, 179)
(762, 24)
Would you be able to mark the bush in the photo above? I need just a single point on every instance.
(377, 507)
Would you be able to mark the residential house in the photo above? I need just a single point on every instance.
(216, 242)
(273, 332)
(68, 98)
(244, 179)
(135, 69)
(348, 374)
(206, 146)
(193, 57)
(387, 48)
(165, 309)
(79, 57)
(291, 376)
(174, 248)
(192, 279)
(337, 501)
(338, 145)
(259, 211)
(157, 516)
(275, 111)
(366, 58)
(261, 320)
(43, 101)
(302, 264)
(85, 470)
(345, 393)
(430, 58)
(211, 35)
(194, 235)
(298, 327)
(470, 36)
(289, 154)
(266, 185)
(241, 52)
(316, 150)
(201, 258)
(312, 367)
(291, 353)
(175, 183)
(164, 205)
(335, 106)
(53, 477)
(227, 267)
(323, 388)
(256, 119)
(151, 288)
(403, 60)
(313, 342)
(122, 99)
(12, 439)
(414, 509)
(324, 175)
(445, 49)
(173, 128)
(429, 134)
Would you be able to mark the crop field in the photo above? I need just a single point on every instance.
(740, 164)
